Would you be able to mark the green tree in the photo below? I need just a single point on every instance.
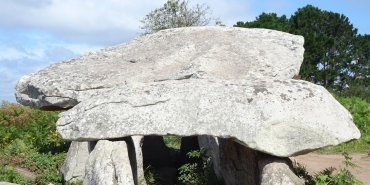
(359, 70)
(267, 20)
(174, 14)
(329, 45)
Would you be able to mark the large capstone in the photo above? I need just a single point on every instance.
(175, 54)
(275, 117)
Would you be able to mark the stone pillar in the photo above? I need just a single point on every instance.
(239, 164)
(211, 145)
(73, 168)
(138, 158)
(109, 164)
(232, 162)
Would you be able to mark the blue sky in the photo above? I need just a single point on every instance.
(36, 33)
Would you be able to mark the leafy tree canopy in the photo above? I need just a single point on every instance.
(267, 20)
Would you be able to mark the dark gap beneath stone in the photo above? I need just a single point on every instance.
(165, 161)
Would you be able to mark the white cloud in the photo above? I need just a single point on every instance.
(85, 20)
(99, 22)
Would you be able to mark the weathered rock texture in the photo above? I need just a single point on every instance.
(201, 52)
(74, 166)
(276, 171)
(211, 145)
(275, 117)
(109, 164)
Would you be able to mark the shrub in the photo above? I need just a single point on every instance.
(150, 177)
(329, 176)
(8, 174)
(34, 127)
(199, 173)
(29, 140)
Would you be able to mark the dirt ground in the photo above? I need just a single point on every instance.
(317, 162)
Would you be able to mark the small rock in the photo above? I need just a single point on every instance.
(277, 171)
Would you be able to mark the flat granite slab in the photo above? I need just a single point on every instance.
(195, 52)
(278, 117)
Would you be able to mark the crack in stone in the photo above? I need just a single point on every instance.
(90, 88)
(115, 177)
(118, 102)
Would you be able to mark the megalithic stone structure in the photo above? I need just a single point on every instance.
(230, 87)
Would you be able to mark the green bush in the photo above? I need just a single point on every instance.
(150, 177)
(8, 174)
(329, 176)
(34, 127)
(29, 140)
(198, 173)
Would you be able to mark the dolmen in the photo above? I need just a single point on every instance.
(228, 90)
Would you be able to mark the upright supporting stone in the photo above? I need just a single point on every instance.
(238, 163)
(73, 168)
(232, 162)
(109, 164)
(211, 145)
(277, 171)
(138, 144)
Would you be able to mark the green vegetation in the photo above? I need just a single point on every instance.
(329, 176)
(193, 173)
(198, 173)
(150, 177)
(29, 140)
(172, 141)
(10, 175)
